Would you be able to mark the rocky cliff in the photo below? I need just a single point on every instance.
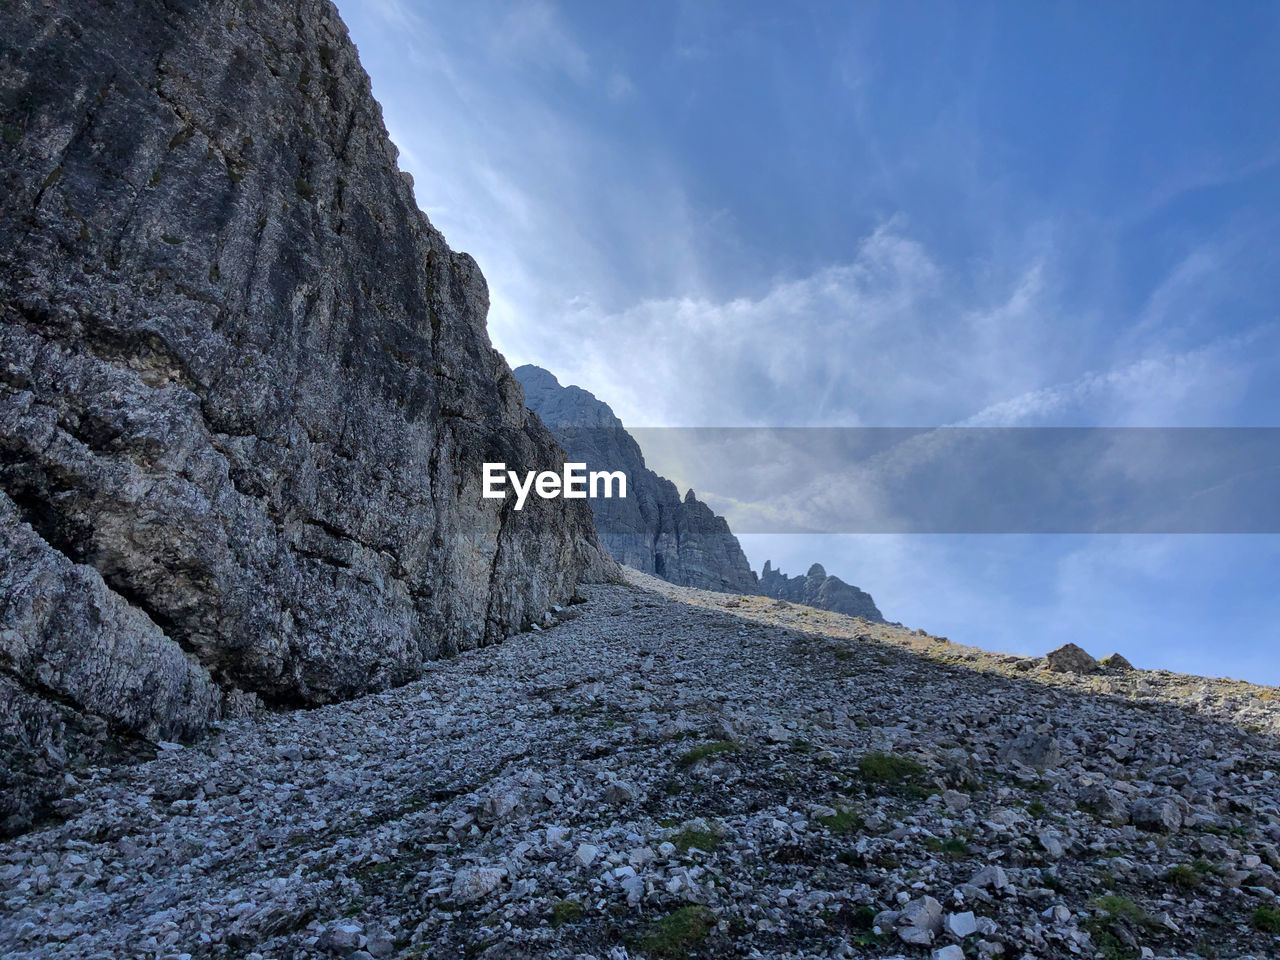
(245, 391)
(817, 589)
(653, 529)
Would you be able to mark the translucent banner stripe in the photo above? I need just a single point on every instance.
(963, 479)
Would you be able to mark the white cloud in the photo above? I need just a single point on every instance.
(596, 255)
(1201, 386)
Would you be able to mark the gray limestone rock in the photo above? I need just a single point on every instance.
(920, 921)
(1070, 658)
(1117, 663)
(1039, 750)
(1103, 802)
(1158, 814)
(818, 589)
(62, 630)
(990, 877)
(246, 387)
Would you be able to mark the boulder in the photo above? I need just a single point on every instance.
(1070, 658)
(1156, 814)
(990, 877)
(1117, 664)
(1104, 803)
(961, 925)
(920, 921)
(1038, 750)
(472, 884)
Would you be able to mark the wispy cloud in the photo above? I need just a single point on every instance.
(597, 256)
(1028, 298)
(534, 33)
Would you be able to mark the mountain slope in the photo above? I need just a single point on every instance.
(680, 773)
(246, 386)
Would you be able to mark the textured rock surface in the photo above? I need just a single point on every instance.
(245, 386)
(817, 589)
(653, 529)
(67, 636)
(1070, 658)
(789, 771)
(1116, 663)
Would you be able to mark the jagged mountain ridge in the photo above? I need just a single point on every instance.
(653, 529)
(246, 388)
(819, 589)
(681, 541)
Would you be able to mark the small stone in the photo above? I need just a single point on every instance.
(633, 887)
(990, 877)
(917, 936)
(961, 924)
(475, 883)
(587, 853)
(620, 792)
(1157, 814)
(1051, 845)
(951, 951)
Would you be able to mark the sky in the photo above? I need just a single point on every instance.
(871, 215)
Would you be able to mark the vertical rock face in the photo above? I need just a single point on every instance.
(817, 589)
(653, 529)
(245, 386)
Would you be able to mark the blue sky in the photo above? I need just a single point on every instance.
(718, 214)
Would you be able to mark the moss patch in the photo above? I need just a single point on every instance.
(566, 911)
(1267, 919)
(842, 821)
(889, 769)
(706, 839)
(672, 937)
(705, 750)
